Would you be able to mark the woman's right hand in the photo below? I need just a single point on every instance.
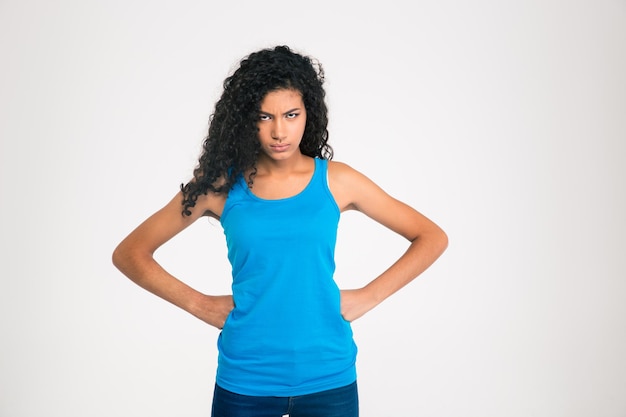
(214, 309)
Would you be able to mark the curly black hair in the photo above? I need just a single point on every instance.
(232, 146)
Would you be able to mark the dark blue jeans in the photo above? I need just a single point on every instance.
(339, 402)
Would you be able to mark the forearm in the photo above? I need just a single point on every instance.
(148, 274)
(421, 253)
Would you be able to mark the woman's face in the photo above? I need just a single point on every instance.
(281, 123)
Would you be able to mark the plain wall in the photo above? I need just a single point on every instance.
(504, 122)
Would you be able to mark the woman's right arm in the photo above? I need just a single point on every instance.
(134, 258)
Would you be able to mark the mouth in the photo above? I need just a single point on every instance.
(279, 148)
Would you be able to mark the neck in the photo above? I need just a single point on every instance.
(266, 165)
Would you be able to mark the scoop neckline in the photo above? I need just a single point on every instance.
(308, 185)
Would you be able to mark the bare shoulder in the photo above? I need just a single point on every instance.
(340, 172)
(349, 186)
(339, 175)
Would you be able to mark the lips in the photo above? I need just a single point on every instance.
(279, 148)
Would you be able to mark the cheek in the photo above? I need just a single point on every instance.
(262, 133)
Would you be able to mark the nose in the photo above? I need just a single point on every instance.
(278, 129)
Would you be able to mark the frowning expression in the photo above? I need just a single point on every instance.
(281, 123)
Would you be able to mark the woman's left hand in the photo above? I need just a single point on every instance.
(355, 303)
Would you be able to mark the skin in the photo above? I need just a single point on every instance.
(283, 171)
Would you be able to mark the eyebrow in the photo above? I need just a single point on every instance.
(287, 112)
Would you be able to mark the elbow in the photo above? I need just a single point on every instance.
(436, 239)
(131, 261)
(442, 241)
(117, 258)
(122, 258)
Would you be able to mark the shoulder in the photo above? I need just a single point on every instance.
(343, 174)
(341, 171)
(349, 186)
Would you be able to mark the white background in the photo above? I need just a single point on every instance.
(503, 121)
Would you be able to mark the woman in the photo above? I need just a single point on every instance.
(265, 173)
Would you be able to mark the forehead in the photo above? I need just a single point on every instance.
(282, 98)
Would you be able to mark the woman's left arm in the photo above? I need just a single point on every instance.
(354, 191)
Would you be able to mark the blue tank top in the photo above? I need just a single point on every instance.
(286, 335)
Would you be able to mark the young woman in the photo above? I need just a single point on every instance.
(265, 173)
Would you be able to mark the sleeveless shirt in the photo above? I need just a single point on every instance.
(286, 335)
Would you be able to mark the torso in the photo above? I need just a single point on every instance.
(286, 335)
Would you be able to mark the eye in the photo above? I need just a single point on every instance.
(263, 117)
(292, 115)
